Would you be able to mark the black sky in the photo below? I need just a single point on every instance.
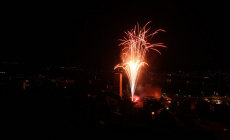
(87, 34)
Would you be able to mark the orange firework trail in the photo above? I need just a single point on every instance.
(133, 54)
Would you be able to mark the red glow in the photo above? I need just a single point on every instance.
(136, 99)
(149, 90)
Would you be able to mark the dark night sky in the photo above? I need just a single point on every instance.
(87, 34)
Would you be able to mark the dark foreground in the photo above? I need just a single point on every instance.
(67, 112)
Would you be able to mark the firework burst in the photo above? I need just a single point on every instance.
(135, 46)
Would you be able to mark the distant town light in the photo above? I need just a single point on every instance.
(207, 100)
(218, 102)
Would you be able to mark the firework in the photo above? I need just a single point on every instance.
(135, 46)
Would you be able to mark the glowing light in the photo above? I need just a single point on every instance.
(136, 99)
(218, 102)
(133, 54)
